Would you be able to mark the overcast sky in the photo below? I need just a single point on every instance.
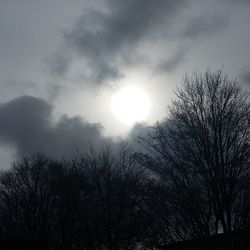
(62, 61)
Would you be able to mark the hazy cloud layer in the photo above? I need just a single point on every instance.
(87, 43)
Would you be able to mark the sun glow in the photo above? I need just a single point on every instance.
(131, 104)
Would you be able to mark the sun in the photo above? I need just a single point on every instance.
(131, 104)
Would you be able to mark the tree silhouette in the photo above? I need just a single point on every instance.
(117, 221)
(201, 155)
(26, 195)
(89, 202)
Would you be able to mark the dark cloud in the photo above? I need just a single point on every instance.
(22, 120)
(25, 123)
(58, 63)
(171, 64)
(205, 25)
(109, 39)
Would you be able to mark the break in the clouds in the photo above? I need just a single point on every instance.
(26, 124)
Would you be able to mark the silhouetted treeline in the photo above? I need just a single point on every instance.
(90, 202)
(238, 240)
(190, 180)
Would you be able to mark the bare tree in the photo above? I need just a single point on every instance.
(116, 220)
(201, 152)
(26, 195)
(89, 202)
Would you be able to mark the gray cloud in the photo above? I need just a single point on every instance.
(245, 77)
(58, 63)
(200, 26)
(25, 123)
(238, 2)
(171, 64)
(22, 121)
(108, 40)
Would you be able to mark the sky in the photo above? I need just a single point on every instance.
(62, 62)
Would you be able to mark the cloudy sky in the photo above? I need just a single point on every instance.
(64, 63)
